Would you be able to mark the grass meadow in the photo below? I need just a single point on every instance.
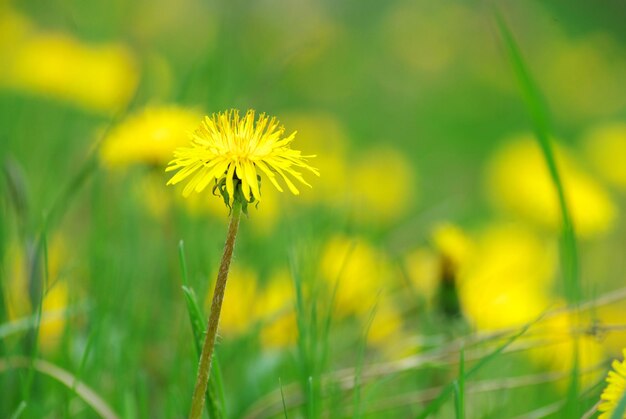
(461, 254)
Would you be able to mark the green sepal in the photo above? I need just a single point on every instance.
(220, 187)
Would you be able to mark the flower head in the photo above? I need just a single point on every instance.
(615, 389)
(233, 151)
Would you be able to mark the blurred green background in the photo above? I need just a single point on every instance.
(434, 224)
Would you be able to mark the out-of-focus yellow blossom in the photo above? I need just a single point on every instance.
(386, 329)
(101, 78)
(55, 298)
(615, 390)
(555, 339)
(53, 324)
(606, 148)
(149, 136)
(246, 304)
(324, 132)
(508, 280)
(382, 185)
(360, 272)
(518, 181)
(424, 265)
(363, 277)
(240, 301)
(452, 242)
(505, 279)
(277, 309)
(607, 317)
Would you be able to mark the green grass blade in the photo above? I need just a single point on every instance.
(215, 392)
(196, 318)
(38, 282)
(569, 247)
(539, 116)
(459, 388)
(30, 322)
(445, 393)
(312, 404)
(359, 363)
(457, 399)
(306, 346)
(282, 398)
(20, 409)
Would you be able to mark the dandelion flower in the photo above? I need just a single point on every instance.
(233, 151)
(615, 390)
(277, 311)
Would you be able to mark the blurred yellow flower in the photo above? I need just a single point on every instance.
(518, 181)
(424, 265)
(53, 323)
(385, 330)
(100, 78)
(358, 270)
(615, 390)
(149, 136)
(56, 295)
(554, 340)
(606, 148)
(379, 197)
(423, 268)
(277, 309)
(247, 304)
(507, 282)
(240, 299)
(608, 319)
(453, 243)
(231, 150)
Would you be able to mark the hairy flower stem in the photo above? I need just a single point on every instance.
(204, 369)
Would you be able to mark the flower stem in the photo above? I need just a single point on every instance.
(204, 369)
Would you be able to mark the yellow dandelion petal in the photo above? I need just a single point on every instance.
(233, 150)
(615, 390)
(270, 174)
